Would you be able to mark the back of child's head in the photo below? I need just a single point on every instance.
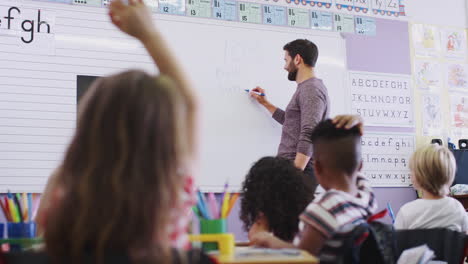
(275, 188)
(433, 169)
(121, 173)
(337, 149)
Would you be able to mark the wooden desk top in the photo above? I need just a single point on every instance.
(304, 258)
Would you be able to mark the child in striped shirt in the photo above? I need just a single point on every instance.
(348, 198)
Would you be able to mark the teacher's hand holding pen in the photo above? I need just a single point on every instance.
(259, 94)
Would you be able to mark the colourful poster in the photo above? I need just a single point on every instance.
(426, 40)
(344, 4)
(298, 17)
(457, 76)
(225, 9)
(366, 26)
(382, 99)
(386, 157)
(344, 23)
(431, 115)
(199, 8)
(454, 43)
(321, 20)
(274, 15)
(427, 74)
(250, 13)
(459, 114)
(361, 5)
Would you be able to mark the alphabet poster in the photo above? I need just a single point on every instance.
(389, 7)
(386, 157)
(236, 10)
(382, 99)
(26, 29)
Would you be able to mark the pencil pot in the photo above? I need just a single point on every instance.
(215, 226)
(2, 230)
(21, 230)
(20, 235)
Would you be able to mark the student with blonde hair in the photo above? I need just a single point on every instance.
(433, 171)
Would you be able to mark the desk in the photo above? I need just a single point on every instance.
(304, 258)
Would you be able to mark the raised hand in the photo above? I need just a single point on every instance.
(133, 18)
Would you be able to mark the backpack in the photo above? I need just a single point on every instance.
(362, 243)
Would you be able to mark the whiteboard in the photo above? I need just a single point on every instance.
(222, 58)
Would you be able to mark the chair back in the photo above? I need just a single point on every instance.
(448, 245)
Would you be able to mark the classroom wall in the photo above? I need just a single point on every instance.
(444, 13)
(451, 13)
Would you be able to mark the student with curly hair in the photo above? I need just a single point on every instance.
(269, 202)
(347, 199)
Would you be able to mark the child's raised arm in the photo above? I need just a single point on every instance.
(135, 19)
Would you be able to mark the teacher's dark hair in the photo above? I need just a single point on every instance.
(304, 48)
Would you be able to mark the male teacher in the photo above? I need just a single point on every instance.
(308, 106)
